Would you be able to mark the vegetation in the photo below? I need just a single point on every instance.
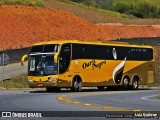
(97, 15)
(85, 4)
(138, 8)
(15, 82)
(158, 97)
(38, 3)
(134, 8)
(104, 4)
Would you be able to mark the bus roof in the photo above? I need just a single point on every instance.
(110, 43)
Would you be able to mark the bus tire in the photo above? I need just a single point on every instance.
(76, 85)
(57, 89)
(53, 89)
(125, 83)
(100, 87)
(112, 88)
(49, 89)
(135, 84)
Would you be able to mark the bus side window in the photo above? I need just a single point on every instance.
(62, 64)
(65, 56)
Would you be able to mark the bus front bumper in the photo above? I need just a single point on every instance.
(42, 84)
(42, 81)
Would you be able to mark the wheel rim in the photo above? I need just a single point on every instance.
(80, 86)
(135, 84)
(76, 84)
(126, 82)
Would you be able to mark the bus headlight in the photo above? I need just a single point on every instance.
(30, 80)
(52, 79)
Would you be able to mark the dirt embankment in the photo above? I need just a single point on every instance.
(22, 26)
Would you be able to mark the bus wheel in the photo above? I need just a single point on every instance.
(125, 83)
(49, 89)
(135, 84)
(53, 89)
(112, 88)
(77, 85)
(100, 87)
(57, 89)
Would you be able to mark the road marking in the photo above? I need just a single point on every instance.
(87, 104)
(61, 98)
(76, 102)
(65, 98)
(148, 98)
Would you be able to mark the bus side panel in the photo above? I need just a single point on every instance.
(144, 70)
(95, 72)
(92, 75)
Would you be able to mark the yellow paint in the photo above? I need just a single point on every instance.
(23, 58)
(76, 102)
(88, 105)
(99, 76)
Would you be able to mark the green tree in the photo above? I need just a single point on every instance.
(146, 10)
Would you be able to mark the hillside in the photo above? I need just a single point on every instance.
(22, 26)
(85, 12)
(132, 8)
(95, 15)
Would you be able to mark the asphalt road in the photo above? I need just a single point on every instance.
(12, 70)
(87, 100)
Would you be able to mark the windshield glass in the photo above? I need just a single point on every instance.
(42, 65)
(41, 60)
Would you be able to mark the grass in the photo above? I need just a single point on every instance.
(38, 3)
(158, 97)
(95, 15)
(129, 2)
(113, 13)
(15, 82)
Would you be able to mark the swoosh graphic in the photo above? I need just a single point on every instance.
(118, 70)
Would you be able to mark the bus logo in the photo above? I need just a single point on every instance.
(94, 64)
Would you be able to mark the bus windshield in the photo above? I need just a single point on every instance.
(42, 65)
(41, 60)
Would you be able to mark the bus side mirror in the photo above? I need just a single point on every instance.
(56, 58)
(23, 58)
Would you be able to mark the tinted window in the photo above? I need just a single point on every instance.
(51, 48)
(64, 59)
(45, 48)
(36, 49)
(140, 54)
(118, 53)
(130, 53)
(80, 51)
(84, 51)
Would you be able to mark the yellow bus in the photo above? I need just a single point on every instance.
(75, 64)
